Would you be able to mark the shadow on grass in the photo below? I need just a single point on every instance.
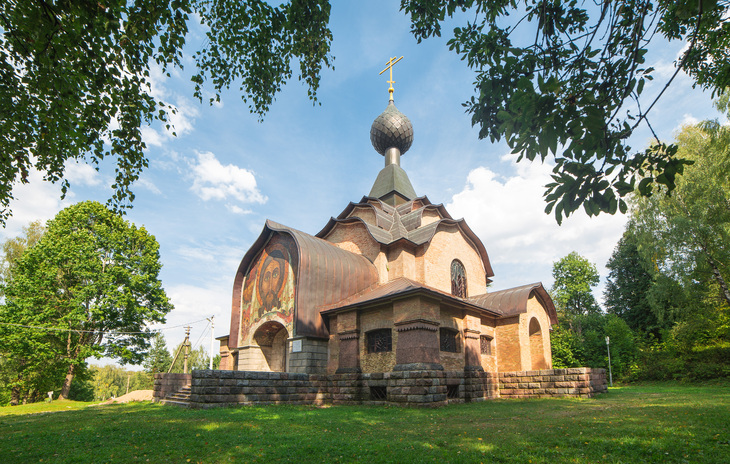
(630, 424)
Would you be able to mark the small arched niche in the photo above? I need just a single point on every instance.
(537, 351)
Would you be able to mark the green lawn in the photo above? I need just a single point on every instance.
(652, 423)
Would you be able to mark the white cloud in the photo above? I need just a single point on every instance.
(507, 213)
(81, 174)
(688, 120)
(237, 210)
(181, 116)
(214, 181)
(193, 304)
(151, 137)
(148, 185)
(36, 200)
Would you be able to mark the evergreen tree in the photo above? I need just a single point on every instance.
(630, 282)
(158, 358)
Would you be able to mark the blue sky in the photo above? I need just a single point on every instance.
(209, 190)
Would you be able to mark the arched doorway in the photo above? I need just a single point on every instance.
(537, 350)
(272, 337)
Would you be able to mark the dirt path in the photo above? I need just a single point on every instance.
(137, 395)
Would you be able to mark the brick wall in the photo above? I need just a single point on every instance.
(581, 382)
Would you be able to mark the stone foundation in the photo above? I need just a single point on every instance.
(580, 382)
(166, 384)
(415, 387)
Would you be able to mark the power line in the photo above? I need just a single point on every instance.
(201, 335)
(111, 332)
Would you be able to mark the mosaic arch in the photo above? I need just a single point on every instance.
(268, 288)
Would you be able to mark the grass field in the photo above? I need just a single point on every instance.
(652, 423)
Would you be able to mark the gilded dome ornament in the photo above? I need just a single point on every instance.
(391, 129)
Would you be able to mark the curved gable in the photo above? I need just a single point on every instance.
(513, 301)
(321, 274)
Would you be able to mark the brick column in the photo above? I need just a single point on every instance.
(418, 345)
(472, 350)
(349, 352)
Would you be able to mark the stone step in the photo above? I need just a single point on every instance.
(182, 404)
(179, 398)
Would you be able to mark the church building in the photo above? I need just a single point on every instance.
(393, 283)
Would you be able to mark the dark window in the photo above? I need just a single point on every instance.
(379, 341)
(448, 340)
(379, 393)
(486, 343)
(452, 391)
(458, 279)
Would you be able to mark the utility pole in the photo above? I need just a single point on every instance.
(186, 343)
(610, 374)
(212, 340)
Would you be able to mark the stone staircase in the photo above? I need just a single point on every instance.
(179, 398)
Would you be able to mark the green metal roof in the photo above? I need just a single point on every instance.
(392, 179)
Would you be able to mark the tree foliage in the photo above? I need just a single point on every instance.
(13, 248)
(575, 278)
(688, 232)
(565, 79)
(198, 358)
(99, 383)
(629, 284)
(553, 78)
(76, 74)
(681, 242)
(88, 288)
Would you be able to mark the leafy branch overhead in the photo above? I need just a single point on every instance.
(565, 79)
(76, 74)
(560, 79)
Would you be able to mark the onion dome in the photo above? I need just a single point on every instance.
(392, 129)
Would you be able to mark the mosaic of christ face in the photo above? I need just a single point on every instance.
(271, 281)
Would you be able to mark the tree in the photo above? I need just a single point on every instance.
(630, 281)
(13, 248)
(198, 358)
(87, 288)
(10, 366)
(76, 74)
(158, 359)
(575, 90)
(689, 231)
(574, 276)
(568, 92)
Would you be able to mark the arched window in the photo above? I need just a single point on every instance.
(458, 279)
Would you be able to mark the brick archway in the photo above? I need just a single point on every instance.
(272, 338)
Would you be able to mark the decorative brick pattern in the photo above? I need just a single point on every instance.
(581, 382)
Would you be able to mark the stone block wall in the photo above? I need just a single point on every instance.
(415, 387)
(211, 388)
(312, 357)
(580, 382)
(167, 384)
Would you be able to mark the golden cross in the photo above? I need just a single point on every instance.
(390, 64)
